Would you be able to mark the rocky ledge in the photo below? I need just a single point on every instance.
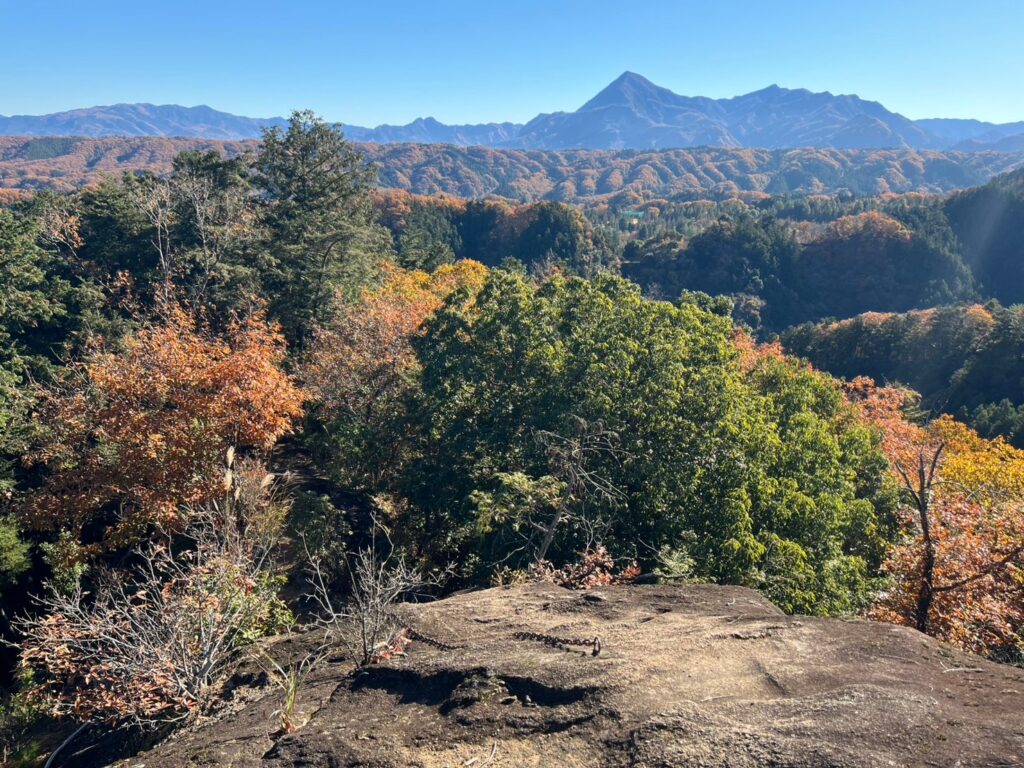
(686, 676)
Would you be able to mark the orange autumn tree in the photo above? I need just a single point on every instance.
(139, 432)
(958, 573)
(359, 366)
(751, 352)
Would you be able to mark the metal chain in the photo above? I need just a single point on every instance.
(594, 643)
(412, 634)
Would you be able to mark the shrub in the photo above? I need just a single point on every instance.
(595, 568)
(151, 644)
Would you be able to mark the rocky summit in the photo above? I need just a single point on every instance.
(685, 676)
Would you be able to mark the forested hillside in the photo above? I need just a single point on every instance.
(790, 261)
(632, 176)
(579, 176)
(965, 360)
(542, 237)
(782, 262)
(256, 391)
(65, 163)
(903, 275)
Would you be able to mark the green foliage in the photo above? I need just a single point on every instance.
(873, 262)
(869, 261)
(965, 360)
(716, 305)
(324, 531)
(514, 498)
(319, 233)
(193, 230)
(994, 419)
(263, 612)
(743, 256)
(27, 301)
(14, 553)
(48, 147)
(117, 238)
(765, 477)
(44, 311)
(987, 221)
(22, 719)
(556, 235)
(289, 226)
(429, 238)
(214, 230)
(824, 492)
(541, 236)
(850, 255)
(63, 557)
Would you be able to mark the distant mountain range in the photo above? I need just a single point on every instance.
(139, 120)
(630, 113)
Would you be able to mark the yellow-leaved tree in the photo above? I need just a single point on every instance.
(958, 572)
(359, 366)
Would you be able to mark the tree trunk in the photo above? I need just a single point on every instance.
(549, 533)
(926, 591)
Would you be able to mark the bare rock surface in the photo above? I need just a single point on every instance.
(705, 676)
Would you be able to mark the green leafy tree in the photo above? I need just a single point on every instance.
(214, 229)
(36, 305)
(39, 311)
(116, 237)
(552, 235)
(759, 471)
(430, 237)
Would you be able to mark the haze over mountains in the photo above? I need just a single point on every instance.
(630, 113)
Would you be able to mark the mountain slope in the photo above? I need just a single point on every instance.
(1013, 143)
(958, 132)
(629, 113)
(67, 163)
(571, 176)
(139, 120)
(779, 117)
(632, 176)
(952, 131)
(430, 131)
(633, 112)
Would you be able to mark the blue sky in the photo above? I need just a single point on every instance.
(391, 61)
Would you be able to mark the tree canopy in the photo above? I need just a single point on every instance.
(759, 475)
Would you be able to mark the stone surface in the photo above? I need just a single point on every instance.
(687, 676)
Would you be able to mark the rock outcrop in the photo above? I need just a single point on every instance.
(686, 676)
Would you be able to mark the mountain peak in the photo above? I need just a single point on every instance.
(631, 78)
(628, 88)
(630, 112)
